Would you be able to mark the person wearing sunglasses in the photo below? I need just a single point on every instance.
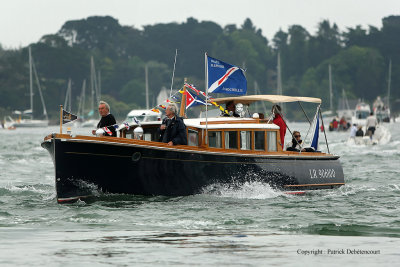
(295, 144)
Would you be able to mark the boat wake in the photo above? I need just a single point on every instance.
(247, 190)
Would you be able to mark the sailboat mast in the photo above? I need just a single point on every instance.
(40, 89)
(146, 74)
(68, 100)
(30, 81)
(279, 74)
(330, 88)
(81, 104)
(92, 84)
(83, 98)
(99, 86)
(279, 90)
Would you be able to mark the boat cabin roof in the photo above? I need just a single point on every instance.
(223, 123)
(229, 123)
(247, 99)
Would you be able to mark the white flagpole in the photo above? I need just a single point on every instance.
(206, 76)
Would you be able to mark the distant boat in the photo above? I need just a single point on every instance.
(361, 113)
(142, 115)
(344, 109)
(30, 122)
(381, 110)
(381, 136)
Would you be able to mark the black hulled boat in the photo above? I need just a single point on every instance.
(223, 150)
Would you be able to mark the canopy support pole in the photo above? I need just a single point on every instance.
(304, 112)
(323, 127)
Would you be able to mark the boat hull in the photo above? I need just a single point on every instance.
(83, 167)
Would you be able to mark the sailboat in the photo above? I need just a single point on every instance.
(30, 122)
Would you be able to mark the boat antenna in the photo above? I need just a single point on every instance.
(173, 73)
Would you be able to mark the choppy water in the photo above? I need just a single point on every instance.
(250, 226)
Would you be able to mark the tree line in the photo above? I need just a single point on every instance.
(359, 59)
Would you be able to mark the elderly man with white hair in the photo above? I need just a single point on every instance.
(107, 119)
(173, 129)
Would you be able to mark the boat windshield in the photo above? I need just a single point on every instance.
(362, 114)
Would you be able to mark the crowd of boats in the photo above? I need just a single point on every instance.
(366, 126)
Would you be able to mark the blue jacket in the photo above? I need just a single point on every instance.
(175, 131)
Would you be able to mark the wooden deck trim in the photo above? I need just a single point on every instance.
(186, 147)
(235, 121)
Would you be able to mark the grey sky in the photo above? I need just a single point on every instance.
(25, 21)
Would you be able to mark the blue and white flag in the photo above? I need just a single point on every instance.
(314, 143)
(225, 78)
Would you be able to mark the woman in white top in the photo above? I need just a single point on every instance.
(294, 145)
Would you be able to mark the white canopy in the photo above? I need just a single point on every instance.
(247, 99)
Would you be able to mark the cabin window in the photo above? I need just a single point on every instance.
(231, 140)
(271, 136)
(214, 139)
(147, 136)
(259, 140)
(245, 140)
(193, 138)
(150, 134)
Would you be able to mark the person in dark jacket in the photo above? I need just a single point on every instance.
(173, 129)
(107, 119)
(231, 108)
(360, 132)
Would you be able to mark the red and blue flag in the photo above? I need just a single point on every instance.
(192, 100)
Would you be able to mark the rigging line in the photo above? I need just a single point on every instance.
(323, 126)
(287, 127)
(304, 112)
(173, 73)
